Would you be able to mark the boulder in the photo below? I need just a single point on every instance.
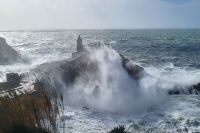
(80, 63)
(69, 70)
(7, 54)
(134, 70)
(194, 90)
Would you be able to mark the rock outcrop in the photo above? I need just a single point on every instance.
(70, 70)
(194, 90)
(133, 70)
(79, 65)
(7, 54)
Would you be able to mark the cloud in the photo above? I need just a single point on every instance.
(95, 14)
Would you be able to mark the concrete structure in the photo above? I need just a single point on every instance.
(13, 81)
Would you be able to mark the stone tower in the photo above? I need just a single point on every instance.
(79, 44)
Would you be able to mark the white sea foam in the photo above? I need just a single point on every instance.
(112, 89)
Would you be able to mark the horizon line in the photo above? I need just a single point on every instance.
(93, 29)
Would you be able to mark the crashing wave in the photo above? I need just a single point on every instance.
(100, 78)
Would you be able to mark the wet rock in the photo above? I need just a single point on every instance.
(195, 88)
(86, 108)
(174, 92)
(7, 54)
(192, 123)
(81, 65)
(67, 71)
(185, 129)
(133, 70)
(75, 67)
(195, 123)
(181, 130)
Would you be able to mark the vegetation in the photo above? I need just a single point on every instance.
(35, 112)
(119, 129)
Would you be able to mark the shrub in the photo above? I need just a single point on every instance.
(119, 129)
(35, 112)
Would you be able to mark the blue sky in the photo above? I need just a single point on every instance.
(99, 14)
(178, 1)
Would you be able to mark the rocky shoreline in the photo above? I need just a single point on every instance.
(79, 63)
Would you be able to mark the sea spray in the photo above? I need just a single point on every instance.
(99, 81)
(110, 88)
(170, 77)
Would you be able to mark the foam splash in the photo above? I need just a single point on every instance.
(169, 77)
(112, 89)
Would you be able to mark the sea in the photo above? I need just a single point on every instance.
(170, 56)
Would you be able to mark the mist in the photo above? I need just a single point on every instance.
(108, 87)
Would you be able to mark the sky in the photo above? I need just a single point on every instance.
(98, 14)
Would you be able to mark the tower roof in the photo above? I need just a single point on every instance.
(79, 37)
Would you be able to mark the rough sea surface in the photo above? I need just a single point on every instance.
(171, 55)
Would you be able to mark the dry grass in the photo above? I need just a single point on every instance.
(34, 112)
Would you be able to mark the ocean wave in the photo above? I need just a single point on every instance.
(102, 83)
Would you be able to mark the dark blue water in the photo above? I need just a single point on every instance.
(180, 47)
(150, 48)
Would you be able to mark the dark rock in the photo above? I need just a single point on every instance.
(192, 123)
(174, 92)
(182, 130)
(72, 69)
(85, 108)
(194, 90)
(185, 129)
(196, 87)
(133, 70)
(80, 64)
(7, 54)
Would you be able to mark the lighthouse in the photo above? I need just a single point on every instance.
(79, 44)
